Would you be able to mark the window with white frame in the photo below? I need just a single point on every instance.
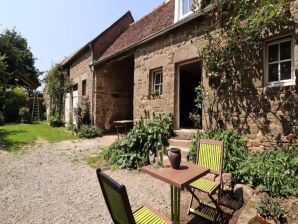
(156, 82)
(279, 62)
(183, 8)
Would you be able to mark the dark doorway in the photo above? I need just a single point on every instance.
(190, 77)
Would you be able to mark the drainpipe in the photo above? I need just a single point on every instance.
(92, 82)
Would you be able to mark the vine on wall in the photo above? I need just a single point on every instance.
(235, 34)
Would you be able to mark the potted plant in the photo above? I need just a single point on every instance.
(155, 94)
(24, 113)
(270, 211)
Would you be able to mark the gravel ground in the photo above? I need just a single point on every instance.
(51, 183)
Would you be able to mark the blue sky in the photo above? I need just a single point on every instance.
(56, 28)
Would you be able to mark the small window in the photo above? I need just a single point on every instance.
(156, 82)
(280, 62)
(183, 8)
(186, 6)
(84, 87)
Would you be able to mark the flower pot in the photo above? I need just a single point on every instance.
(174, 155)
(261, 220)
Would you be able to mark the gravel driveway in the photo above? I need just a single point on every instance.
(51, 183)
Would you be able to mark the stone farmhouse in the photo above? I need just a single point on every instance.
(129, 62)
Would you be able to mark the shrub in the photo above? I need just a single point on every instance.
(133, 150)
(55, 121)
(235, 148)
(2, 119)
(276, 171)
(14, 100)
(24, 113)
(270, 208)
(87, 131)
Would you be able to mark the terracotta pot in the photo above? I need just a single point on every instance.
(174, 155)
(261, 220)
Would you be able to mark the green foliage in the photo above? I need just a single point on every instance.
(18, 56)
(89, 131)
(2, 119)
(235, 148)
(24, 113)
(3, 71)
(133, 150)
(276, 171)
(14, 99)
(242, 24)
(82, 114)
(196, 115)
(56, 87)
(270, 209)
(55, 121)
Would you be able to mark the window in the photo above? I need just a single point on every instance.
(183, 8)
(186, 6)
(156, 82)
(84, 87)
(279, 62)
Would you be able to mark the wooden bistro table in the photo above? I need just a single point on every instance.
(178, 179)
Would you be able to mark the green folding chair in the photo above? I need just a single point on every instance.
(210, 155)
(116, 198)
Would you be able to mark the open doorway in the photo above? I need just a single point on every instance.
(190, 75)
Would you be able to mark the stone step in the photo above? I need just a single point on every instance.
(184, 134)
(179, 143)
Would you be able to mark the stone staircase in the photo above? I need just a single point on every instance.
(182, 141)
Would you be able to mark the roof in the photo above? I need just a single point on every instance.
(27, 82)
(127, 16)
(157, 20)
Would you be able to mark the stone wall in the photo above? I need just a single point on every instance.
(79, 70)
(261, 113)
(114, 92)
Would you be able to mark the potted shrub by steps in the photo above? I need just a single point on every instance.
(270, 211)
(24, 113)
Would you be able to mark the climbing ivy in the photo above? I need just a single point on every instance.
(237, 29)
(56, 86)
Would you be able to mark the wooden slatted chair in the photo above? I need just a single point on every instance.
(116, 198)
(210, 155)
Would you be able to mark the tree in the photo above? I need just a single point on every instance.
(3, 71)
(15, 55)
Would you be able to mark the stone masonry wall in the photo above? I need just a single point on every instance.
(262, 114)
(114, 92)
(80, 70)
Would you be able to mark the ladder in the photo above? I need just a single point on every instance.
(35, 116)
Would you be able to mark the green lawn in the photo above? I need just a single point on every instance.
(13, 136)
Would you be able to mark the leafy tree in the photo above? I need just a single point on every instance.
(3, 72)
(16, 55)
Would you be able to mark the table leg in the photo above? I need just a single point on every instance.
(175, 205)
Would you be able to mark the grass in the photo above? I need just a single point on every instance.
(98, 161)
(14, 135)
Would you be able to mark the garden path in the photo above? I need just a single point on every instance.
(51, 183)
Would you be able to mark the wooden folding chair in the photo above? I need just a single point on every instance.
(210, 155)
(116, 198)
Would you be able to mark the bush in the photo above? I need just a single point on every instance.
(235, 148)
(14, 100)
(2, 119)
(133, 150)
(270, 209)
(87, 131)
(55, 121)
(24, 114)
(276, 171)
